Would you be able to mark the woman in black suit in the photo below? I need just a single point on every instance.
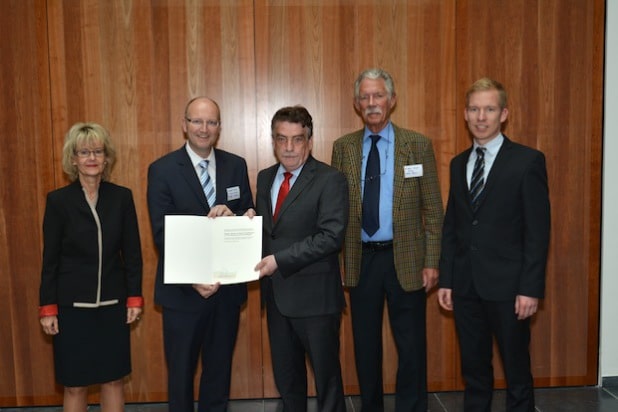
(92, 272)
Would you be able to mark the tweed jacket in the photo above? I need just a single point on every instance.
(417, 207)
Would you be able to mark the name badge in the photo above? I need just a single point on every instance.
(413, 171)
(233, 193)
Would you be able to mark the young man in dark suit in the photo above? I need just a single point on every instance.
(494, 250)
(198, 179)
(304, 205)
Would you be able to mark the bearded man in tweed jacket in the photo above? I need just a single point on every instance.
(399, 258)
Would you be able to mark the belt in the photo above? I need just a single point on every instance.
(377, 246)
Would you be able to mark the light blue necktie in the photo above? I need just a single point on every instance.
(209, 189)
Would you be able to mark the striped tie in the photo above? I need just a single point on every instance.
(209, 189)
(477, 182)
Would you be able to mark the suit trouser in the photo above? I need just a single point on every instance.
(318, 337)
(477, 321)
(378, 279)
(211, 331)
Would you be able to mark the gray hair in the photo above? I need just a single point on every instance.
(375, 73)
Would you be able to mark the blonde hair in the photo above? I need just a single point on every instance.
(484, 84)
(81, 134)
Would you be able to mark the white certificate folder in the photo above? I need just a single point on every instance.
(204, 250)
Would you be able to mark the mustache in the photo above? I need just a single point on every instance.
(372, 110)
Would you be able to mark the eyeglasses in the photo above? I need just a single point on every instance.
(199, 123)
(84, 153)
(296, 140)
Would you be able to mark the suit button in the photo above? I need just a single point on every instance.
(475, 222)
(272, 236)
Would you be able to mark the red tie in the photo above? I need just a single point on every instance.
(283, 192)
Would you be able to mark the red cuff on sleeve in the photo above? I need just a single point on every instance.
(135, 302)
(48, 310)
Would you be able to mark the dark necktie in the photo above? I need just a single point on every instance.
(284, 189)
(477, 182)
(206, 181)
(371, 193)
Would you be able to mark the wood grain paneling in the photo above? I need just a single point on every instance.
(131, 65)
(26, 175)
(549, 55)
(313, 51)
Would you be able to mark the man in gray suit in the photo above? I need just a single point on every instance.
(304, 204)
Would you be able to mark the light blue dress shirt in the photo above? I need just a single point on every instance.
(386, 148)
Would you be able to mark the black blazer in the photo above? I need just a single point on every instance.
(305, 240)
(71, 249)
(175, 189)
(501, 250)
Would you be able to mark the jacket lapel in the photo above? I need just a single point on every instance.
(354, 153)
(496, 170)
(187, 171)
(270, 174)
(403, 155)
(461, 174)
(302, 181)
(222, 178)
(79, 198)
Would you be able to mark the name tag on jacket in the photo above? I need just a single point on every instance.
(413, 171)
(233, 193)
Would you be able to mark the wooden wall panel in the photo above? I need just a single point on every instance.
(132, 65)
(549, 55)
(312, 52)
(26, 174)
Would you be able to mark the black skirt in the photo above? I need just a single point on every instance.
(93, 345)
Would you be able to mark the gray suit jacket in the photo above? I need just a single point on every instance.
(305, 240)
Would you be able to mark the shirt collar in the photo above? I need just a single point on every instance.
(196, 159)
(295, 172)
(386, 133)
(493, 146)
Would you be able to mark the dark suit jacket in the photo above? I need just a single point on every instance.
(305, 240)
(417, 206)
(71, 248)
(175, 189)
(501, 250)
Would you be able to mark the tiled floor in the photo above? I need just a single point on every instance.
(579, 399)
